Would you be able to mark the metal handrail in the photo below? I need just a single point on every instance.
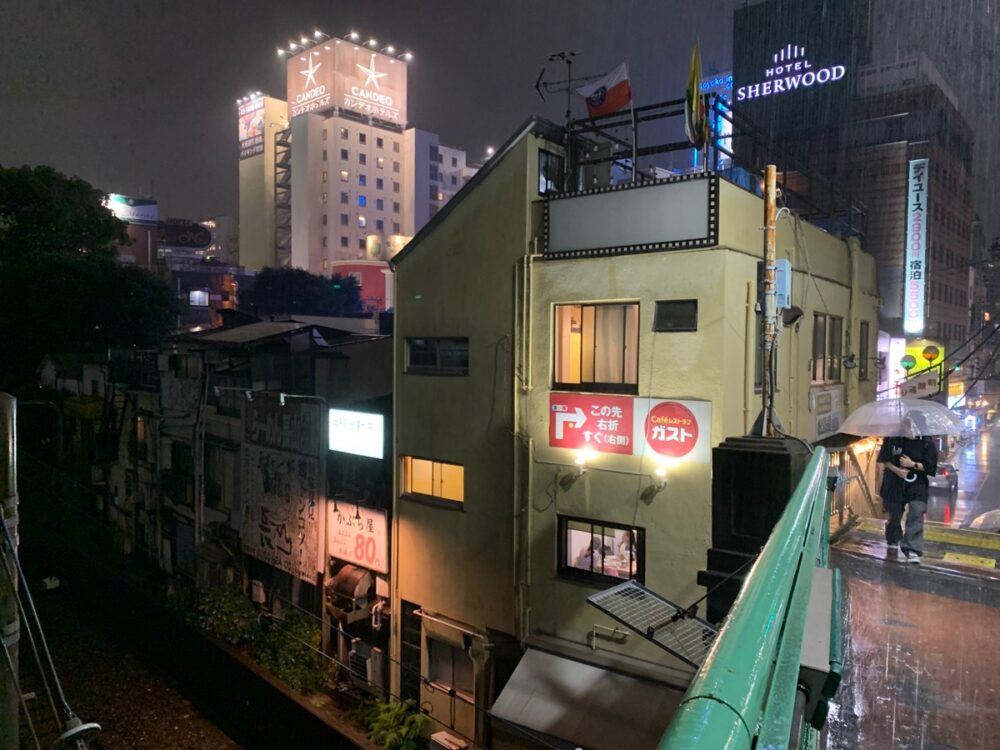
(738, 686)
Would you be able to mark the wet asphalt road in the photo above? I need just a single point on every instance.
(978, 463)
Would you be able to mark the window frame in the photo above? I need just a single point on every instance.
(439, 647)
(567, 571)
(664, 304)
(864, 350)
(597, 386)
(436, 466)
(438, 368)
(826, 363)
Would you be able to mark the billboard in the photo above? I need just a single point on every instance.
(915, 267)
(250, 128)
(357, 433)
(184, 233)
(282, 477)
(340, 74)
(665, 429)
(132, 210)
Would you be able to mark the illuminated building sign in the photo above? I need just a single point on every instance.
(666, 429)
(132, 210)
(358, 535)
(915, 268)
(790, 70)
(340, 74)
(357, 433)
(251, 128)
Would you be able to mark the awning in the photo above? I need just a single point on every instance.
(595, 708)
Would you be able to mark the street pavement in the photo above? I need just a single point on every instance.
(978, 463)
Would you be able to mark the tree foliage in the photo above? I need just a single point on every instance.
(287, 291)
(61, 288)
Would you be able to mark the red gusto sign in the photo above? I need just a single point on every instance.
(598, 423)
(671, 429)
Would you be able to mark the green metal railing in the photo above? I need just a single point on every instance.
(745, 693)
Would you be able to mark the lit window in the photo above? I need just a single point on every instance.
(433, 479)
(344, 175)
(324, 176)
(362, 222)
(343, 133)
(550, 168)
(828, 332)
(597, 347)
(326, 263)
(440, 195)
(600, 552)
(198, 298)
(362, 201)
(445, 356)
(380, 161)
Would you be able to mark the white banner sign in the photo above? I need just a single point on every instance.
(915, 270)
(358, 536)
(358, 433)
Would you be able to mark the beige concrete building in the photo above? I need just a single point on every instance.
(260, 119)
(564, 366)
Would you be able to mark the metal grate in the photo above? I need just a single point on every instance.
(659, 620)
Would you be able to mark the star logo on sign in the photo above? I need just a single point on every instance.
(373, 76)
(310, 72)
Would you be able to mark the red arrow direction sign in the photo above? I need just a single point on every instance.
(598, 423)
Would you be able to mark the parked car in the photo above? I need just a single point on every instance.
(946, 479)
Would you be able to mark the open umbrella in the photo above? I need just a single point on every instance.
(989, 521)
(902, 417)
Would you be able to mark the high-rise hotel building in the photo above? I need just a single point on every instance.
(332, 180)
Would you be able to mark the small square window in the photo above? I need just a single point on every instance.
(395, 207)
(362, 222)
(344, 218)
(345, 198)
(362, 180)
(344, 175)
(324, 220)
(440, 195)
(676, 315)
(379, 183)
(343, 133)
(395, 187)
(454, 180)
(324, 242)
(362, 159)
(361, 244)
(379, 143)
(322, 197)
(454, 161)
(362, 201)
(362, 138)
(380, 225)
(343, 241)
(395, 147)
(344, 154)
(324, 154)
(395, 167)
(395, 227)
(324, 134)
(325, 176)
(380, 161)
(379, 204)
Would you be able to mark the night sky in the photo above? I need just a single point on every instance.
(138, 97)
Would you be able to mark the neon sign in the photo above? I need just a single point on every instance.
(791, 70)
(914, 272)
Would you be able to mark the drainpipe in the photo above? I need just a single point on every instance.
(749, 331)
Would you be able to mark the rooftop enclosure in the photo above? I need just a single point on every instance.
(736, 149)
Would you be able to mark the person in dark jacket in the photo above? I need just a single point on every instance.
(907, 462)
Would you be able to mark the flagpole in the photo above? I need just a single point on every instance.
(635, 139)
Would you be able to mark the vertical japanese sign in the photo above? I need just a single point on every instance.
(282, 474)
(915, 268)
(670, 429)
(358, 536)
(251, 128)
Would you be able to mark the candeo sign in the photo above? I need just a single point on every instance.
(790, 70)
(340, 74)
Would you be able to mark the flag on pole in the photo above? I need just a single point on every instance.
(695, 117)
(608, 94)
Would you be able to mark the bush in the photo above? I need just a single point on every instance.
(395, 726)
(289, 649)
(227, 613)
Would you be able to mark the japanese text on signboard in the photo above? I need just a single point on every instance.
(915, 271)
(358, 535)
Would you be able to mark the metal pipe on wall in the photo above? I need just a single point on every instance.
(9, 610)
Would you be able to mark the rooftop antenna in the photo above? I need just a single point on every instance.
(568, 85)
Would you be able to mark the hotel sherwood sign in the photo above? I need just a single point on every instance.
(339, 74)
(790, 70)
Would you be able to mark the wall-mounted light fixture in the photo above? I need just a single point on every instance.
(659, 484)
(579, 469)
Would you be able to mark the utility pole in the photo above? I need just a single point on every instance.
(770, 297)
(9, 610)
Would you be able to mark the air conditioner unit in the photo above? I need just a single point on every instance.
(367, 666)
(447, 741)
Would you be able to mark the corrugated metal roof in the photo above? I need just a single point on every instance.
(254, 332)
(349, 325)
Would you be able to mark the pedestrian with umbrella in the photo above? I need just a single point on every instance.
(908, 457)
